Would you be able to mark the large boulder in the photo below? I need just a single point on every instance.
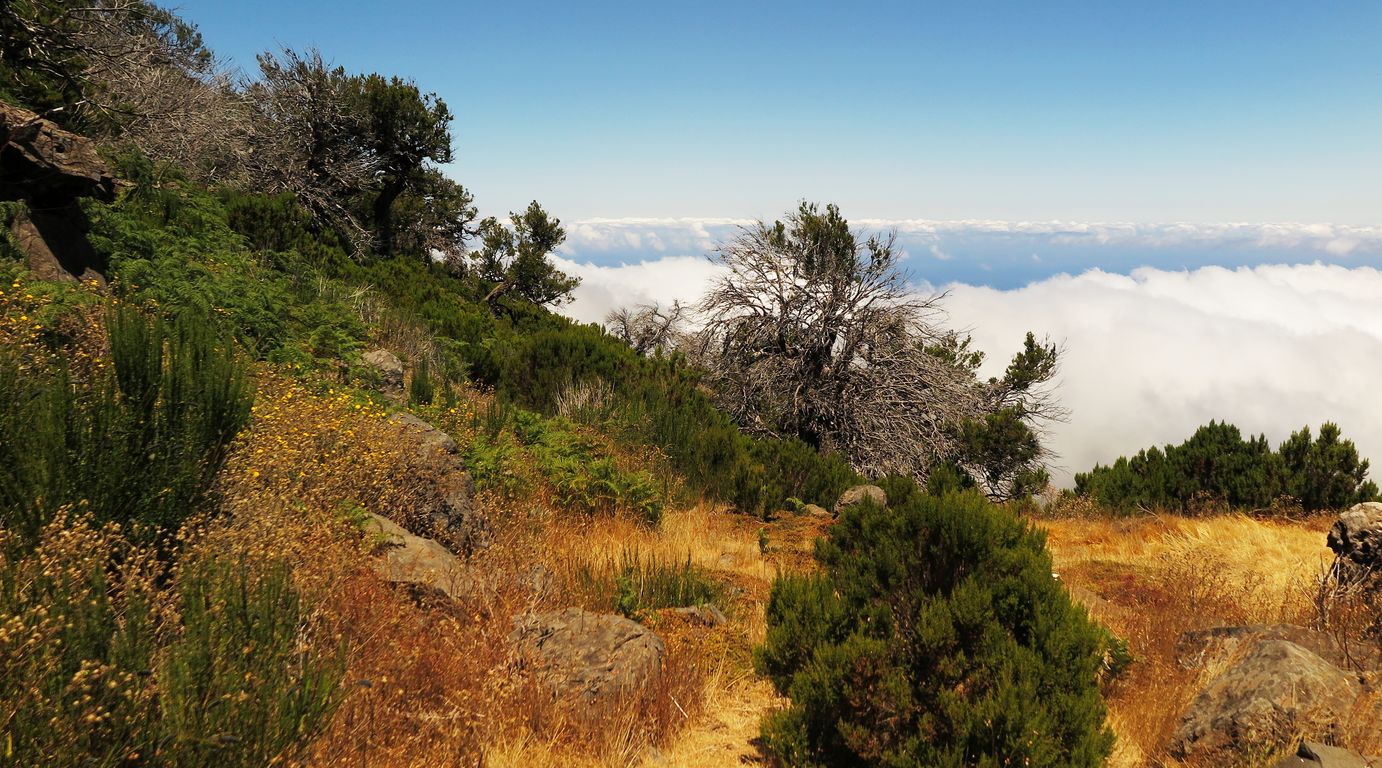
(50, 168)
(432, 442)
(590, 657)
(1275, 691)
(46, 165)
(858, 494)
(1356, 538)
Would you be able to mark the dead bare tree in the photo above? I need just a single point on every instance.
(648, 328)
(814, 332)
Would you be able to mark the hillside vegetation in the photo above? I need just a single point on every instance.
(283, 480)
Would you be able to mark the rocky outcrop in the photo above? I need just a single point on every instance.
(49, 169)
(590, 657)
(420, 564)
(858, 494)
(448, 514)
(46, 165)
(1315, 755)
(1275, 690)
(815, 510)
(432, 442)
(388, 368)
(1356, 539)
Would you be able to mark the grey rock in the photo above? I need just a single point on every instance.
(1276, 690)
(455, 518)
(430, 439)
(815, 510)
(1315, 755)
(590, 657)
(858, 494)
(406, 559)
(707, 615)
(1356, 537)
(389, 368)
(450, 514)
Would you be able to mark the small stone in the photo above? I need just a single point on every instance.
(858, 494)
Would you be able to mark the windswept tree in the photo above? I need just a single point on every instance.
(516, 260)
(406, 134)
(361, 153)
(59, 57)
(311, 142)
(814, 332)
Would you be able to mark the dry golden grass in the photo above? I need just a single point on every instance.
(441, 687)
(1150, 579)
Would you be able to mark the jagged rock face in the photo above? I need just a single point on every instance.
(1357, 539)
(50, 168)
(46, 165)
(858, 494)
(1277, 689)
(590, 657)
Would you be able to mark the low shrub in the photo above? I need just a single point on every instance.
(934, 635)
(241, 685)
(113, 659)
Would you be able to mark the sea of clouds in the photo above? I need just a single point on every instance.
(1286, 331)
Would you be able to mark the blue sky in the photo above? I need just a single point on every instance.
(1084, 111)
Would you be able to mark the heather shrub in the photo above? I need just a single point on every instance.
(934, 635)
(242, 684)
(112, 658)
(137, 440)
(420, 388)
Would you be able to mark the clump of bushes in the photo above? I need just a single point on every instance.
(934, 635)
(1218, 468)
(511, 442)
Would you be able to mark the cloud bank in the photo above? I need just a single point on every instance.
(1151, 354)
(1008, 254)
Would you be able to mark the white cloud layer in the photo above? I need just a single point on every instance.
(603, 289)
(686, 236)
(1150, 355)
